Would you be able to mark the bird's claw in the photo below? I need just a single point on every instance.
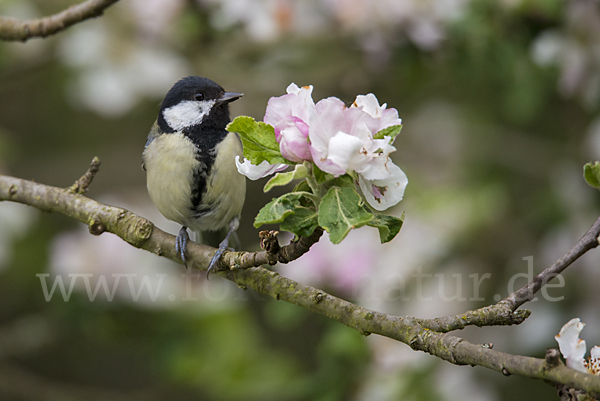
(214, 262)
(181, 244)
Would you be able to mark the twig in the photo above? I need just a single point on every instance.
(524, 294)
(275, 253)
(15, 29)
(492, 315)
(141, 233)
(552, 358)
(81, 185)
(505, 311)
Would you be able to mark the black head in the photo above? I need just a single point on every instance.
(195, 102)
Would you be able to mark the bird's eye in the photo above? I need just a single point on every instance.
(199, 96)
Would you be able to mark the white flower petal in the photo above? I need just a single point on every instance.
(385, 193)
(293, 88)
(365, 111)
(345, 151)
(370, 105)
(377, 166)
(595, 352)
(571, 347)
(255, 172)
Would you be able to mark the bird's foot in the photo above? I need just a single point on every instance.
(181, 244)
(223, 246)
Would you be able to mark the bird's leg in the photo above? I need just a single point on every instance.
(236, 239)
(223, 246)
(181, 244)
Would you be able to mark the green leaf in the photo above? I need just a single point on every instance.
(278, 209)
(285, 178)
(320, 175)
(591, 173)
(258, 139)
(341, 210)
(344, 181)
(388, 226)
(392, 132)
(302, 187)
(302, 222)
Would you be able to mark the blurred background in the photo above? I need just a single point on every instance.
(499, 102)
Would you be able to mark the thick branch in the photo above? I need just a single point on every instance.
(141, 233)
(14, 29)
(134, 229)
(409, 331)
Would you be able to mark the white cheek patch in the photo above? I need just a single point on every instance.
(187, 113)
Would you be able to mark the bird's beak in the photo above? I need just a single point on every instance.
(229, 97)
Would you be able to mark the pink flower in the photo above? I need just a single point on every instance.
(338, 140)
(288, 114)
(342, 140)
(326, 121)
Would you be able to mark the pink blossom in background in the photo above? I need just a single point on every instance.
(343, 267)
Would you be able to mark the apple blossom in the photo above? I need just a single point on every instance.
(288, 114)
(381, 116)
(385, 193)
(573, 348)
(256, 172)
(338, 140)
(342, 139)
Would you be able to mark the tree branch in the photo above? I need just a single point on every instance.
(505, 311)
(245, 271)
(134, 229)
(15, 29)
(525, 294)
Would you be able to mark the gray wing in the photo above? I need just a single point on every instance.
(154, 132)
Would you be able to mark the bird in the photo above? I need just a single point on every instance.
(189, 159)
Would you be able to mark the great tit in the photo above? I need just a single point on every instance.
(189, 160)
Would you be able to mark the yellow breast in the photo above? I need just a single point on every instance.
(170, 160)
(226, 188)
